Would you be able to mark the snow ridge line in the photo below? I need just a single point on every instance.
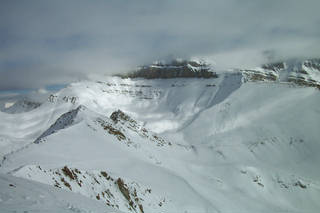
(64, 121)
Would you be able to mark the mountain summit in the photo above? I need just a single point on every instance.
(300, 72)
(175, 69)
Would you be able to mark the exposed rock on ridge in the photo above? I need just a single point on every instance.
(175, 69)
(62, 122)
(299, 72)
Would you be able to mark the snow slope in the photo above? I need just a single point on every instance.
(172, 145)
(21, 195)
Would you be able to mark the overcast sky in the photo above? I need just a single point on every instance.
(54, 42)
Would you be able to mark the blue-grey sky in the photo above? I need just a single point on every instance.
(46, 42)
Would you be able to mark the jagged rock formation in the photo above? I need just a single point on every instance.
(175, 69)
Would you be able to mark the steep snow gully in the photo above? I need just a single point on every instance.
(165, 145)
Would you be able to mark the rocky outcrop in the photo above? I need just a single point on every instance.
(306, 74)
(121, 123)
(119, 115)
(118, 192)
(303, 81)
(175, 69)
(267, 72)
(260, 75)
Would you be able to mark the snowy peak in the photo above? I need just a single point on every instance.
(64, 121)
(20, 106)
(120, 125)
(267, 72)
(306, 73)
(302, 73)
(174, 69)
(312, 64)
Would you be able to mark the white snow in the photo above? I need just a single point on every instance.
(8, 104)
(199, 145)
(21, 195)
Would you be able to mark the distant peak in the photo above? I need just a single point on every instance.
(176, 68)
(299, 72)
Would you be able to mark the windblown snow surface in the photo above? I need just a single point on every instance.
(171, 145)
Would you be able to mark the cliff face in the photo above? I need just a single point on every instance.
(175, 69)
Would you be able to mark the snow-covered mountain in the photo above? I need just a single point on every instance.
(242, 141)
(20, 106)
(300, 72)
(173, 69)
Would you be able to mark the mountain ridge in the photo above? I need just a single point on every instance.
(299, 72)
(174, 69)
(197, 144)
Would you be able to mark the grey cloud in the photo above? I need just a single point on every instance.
(54, 42)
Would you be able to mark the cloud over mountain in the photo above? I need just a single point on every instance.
(54, 42)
